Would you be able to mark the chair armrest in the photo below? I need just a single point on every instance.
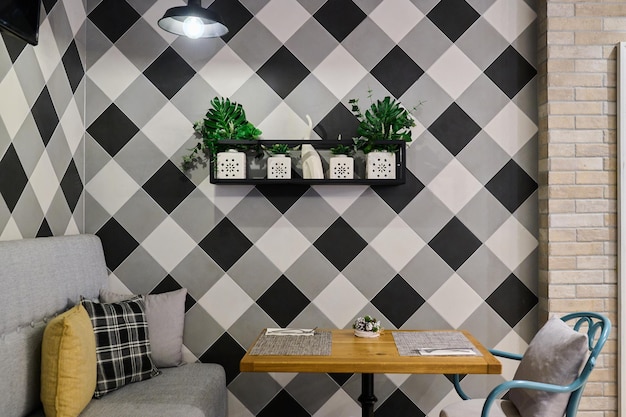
(456, 380)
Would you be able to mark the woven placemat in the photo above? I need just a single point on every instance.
(317, 345)
(408, 343)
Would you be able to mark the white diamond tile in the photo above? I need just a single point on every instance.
(168, 244)
(226, 301)
(72, 124)
(455, 301)
(236, 407)
(44, 182)
(455, 186)
(511, 128)
(512, 342)
(273, 17)
(111, 187)
(13, 112)
(340, 197)
(224, 198)
(226, 72)
(396, 18)
(47, 52)
(72, 228)
(283, 244)
(340, 72)
(169, 129)
(76, 14)
(114, 284)
(113, 73)
(454, 72)
(512, 243)
(510, 17)
(188, 356)
(340, 404)
(283, 123)
(397, 244)
(11, 231)
(340, 301)
(283, 378)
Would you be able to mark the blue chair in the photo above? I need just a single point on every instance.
(550, 378)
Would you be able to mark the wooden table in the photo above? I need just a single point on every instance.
(366, 356)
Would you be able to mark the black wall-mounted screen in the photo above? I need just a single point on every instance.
(21, 19)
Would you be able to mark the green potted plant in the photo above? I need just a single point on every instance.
(279, 163)
(341, 164)
(225, 119)
(384, 120)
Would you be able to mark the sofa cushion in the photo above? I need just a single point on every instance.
(68, 364)
(122, 344)
(555, 355)
(166, 321)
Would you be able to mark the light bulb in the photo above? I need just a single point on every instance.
(193, 27)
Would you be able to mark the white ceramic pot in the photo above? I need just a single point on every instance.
(279, 167)
(341, 167)
(231, 165)
(381, 165)
(363, 333)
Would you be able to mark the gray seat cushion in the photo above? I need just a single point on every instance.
(191, 390)
(473, 408)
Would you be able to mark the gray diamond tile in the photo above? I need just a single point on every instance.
(303, 384)
(254, 44)
(527, 159)
(526, 43)
(425, 5)
(492, 100)
(483, 165)
(256, 91)
(197, 272)
(95, 215)
(247, 327)
(99, 44)
(425, 44)
(98, 102)
(527, 327)
(197, 54)
(140, 272)
(312, 316)
(483, 215)
(369, 215)
(313, 98)
(254, 216)
(254, 389)
(481, 6)
(527, 271)
(27, 213)
(311, 54)
(483, 271)
(141, 44)
(526, 214)
(426, 314)
(426, 391)
(97, 157)
(200, 331)
(299, 273)
(193, 100)
(369, 272)
(59, 22)
(59, 153)
(427, 157)
(29, 73)
(526, 100)
(28, 145)
(58, 214)
(426, 215)
(426, 272)
(141, 169)
(60, 90)
(311, 5)
(311, 215)
(197, 215)
(368, 44)
(254, 273)
(482, 43)
(435, 100)
(489, 335)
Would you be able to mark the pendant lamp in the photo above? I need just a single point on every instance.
(193, 21)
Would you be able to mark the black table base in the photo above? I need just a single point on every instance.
(367, 397)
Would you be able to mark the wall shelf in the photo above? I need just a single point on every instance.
(256, 160)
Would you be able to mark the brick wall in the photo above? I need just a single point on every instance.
(577, 164)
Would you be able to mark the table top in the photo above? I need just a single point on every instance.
(351, 354)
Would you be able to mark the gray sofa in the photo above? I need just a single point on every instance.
(44, 276)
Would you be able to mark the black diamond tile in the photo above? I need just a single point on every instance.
(169, 186)
(116, 242)
(453, 17)
(340, 244)
(14, 45)
(340, 379)
(170, 284)
(455, 243)
(512, 300)
(283, 196)
(112, 130)
(339, 121)
(511, 186)
(45, 115)
(235, 16)
(339, 17)
(12, 186)
(398, 301)
(454, 129)
(398, 405)
(283, 404)
(72, 185)
(225, 244)
(399, 196)
(44, 229)
(397, 72)
(73, 66)
(169, 73)
(48, 5)
(226, 352)
(283, 301)
(114, 18)
(283, 72)
(511, 72)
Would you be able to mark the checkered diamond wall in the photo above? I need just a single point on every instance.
(453, 247)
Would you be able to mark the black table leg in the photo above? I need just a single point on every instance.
(367, 397)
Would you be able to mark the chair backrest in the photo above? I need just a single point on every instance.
(598, 328)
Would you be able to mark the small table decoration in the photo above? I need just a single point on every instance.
(367, 326)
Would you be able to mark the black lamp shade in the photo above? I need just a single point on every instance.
(193, 21)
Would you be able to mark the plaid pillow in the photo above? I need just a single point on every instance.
(122, 344)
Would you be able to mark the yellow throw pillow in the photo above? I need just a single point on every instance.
(68, 364)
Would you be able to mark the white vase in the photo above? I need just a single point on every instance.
(381, 165)
(341, 167)
(363, 333)
(279, 167)
(231, 165)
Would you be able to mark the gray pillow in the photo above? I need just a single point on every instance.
(555, 355)
(165, 314)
